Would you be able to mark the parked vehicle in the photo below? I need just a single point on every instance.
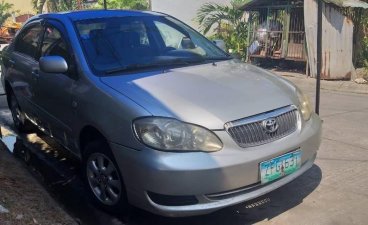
(160, 117)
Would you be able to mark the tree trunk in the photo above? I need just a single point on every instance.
(41, 4)
(52, 6)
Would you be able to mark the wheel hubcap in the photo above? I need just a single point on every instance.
(103, 179)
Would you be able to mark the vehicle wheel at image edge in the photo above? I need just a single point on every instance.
(103, 179)
(19, 120)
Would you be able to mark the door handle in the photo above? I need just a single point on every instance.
(35, 73)
(11, 62)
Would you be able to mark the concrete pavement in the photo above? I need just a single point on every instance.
(337, 85)
(342, 195)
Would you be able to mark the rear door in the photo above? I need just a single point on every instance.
(54, 94)
(23, 66)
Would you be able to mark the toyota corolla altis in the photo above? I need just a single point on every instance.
(159, 116)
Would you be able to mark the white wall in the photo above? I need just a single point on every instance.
(184, 10)
(23, 6)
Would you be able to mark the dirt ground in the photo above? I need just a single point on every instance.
(30, 205)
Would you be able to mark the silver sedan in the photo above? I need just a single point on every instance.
(159, 116)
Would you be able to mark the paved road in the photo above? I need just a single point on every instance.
(334, 191)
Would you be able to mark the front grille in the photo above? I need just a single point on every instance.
(251, 131)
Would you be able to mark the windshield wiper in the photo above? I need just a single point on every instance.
(170, 62)
(130, 67)
(219, 58)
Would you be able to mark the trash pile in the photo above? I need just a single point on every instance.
(8, 31)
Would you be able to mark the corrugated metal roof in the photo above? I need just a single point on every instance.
(340, 3)
(349, 3)
(256, 3)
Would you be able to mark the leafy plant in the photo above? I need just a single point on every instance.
(364, 53)
(54, 5)
(67, 5)
(125, 4)
(5, 11)
(228, 23)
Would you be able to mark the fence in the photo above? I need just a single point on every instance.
(277, 33)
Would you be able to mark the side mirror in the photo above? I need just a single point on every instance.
(53, 64)
(221, 44)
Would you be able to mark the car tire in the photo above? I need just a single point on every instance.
(102, 178)
(20, 121)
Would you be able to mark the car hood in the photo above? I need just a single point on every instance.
(209, 94)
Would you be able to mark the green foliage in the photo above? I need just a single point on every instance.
(5, 11)
(364, 53)
(68, 5)
(228, 23)
(359, 17)
(125, 4)
(361, 37)
(54, 5)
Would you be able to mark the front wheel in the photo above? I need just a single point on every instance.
(103, 179)
(19, 119)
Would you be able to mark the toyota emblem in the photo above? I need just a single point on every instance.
(270, 125)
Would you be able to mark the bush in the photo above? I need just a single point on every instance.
(363, 57)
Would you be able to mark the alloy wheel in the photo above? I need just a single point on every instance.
(103, 179)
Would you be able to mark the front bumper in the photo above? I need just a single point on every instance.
(216, 180)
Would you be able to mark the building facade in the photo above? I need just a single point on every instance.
(23, 6)
(184, 10)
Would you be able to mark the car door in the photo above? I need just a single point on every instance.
(23, 67)
(54, 93)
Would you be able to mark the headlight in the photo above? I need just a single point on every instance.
(304, 105)
(173, 135)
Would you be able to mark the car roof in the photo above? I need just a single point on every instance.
(92, 14)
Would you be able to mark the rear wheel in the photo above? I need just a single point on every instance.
(103, 179)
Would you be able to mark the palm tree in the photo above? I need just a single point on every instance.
(228, 22)
(211, 15)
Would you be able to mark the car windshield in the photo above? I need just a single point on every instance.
(140, 42)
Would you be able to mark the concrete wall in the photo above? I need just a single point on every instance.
(184, 10)
(24, 6)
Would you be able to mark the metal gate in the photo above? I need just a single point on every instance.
(277, 32)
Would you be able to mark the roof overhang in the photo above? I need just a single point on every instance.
(254, 4)
(348, 3)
